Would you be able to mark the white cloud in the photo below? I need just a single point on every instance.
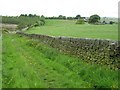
(56, 7)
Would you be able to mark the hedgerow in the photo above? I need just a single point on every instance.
(24, 21)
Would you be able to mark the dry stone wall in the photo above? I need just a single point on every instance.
(100, 51)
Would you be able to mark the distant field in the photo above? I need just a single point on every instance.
(110, 19)
(68, 28)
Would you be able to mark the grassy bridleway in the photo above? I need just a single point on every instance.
(29, 64)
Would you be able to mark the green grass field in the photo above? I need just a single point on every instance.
(29, 64)
(68, 28)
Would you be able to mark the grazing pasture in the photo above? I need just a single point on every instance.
(68, 28)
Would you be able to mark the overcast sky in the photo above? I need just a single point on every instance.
(104, 8)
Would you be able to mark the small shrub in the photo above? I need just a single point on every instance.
(37, 23)
(80, 21)
(111, 22)
(20, 26)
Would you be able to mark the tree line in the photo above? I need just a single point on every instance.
(33, 20)
(65, 17)
(93, 19)
(24, 20)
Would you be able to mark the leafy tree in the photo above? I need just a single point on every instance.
(35, 15)
(111, 22)
(30, 15)
(42, 19)
(77, 17)
(42, 16)
(94, 19)
(25, 15)
(22, 15)
(38, 23)
(70, 18)
(64, 17)
(60, 16)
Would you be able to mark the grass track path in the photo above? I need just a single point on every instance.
(30, 68)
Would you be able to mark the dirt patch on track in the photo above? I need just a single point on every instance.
(10, 26)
